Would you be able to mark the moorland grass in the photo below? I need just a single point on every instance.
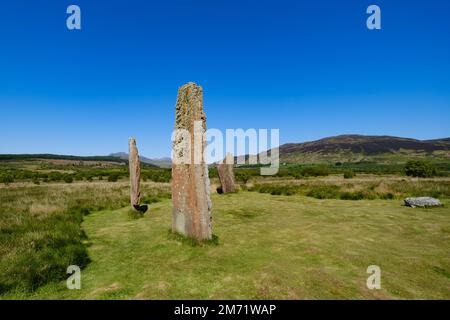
(40, 228)
(284, 247)
(369, 189)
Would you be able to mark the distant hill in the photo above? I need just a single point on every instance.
(162, 162)
(344, 148)
(48, 156)
(357, 148)
(118, 158)
(102, 161)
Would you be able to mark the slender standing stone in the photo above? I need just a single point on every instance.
(190, 180)
(135, 174)
(226, 174)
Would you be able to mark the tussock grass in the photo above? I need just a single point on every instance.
(292, 247)
(40, 228)
(214, 241)
(289, 246)
(133, 214)
(359, 190)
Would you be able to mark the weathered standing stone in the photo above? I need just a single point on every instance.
(190, 181)
(422, 202)
(226, 175)
(135, 176)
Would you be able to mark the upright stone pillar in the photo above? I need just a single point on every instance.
(226, 175)
(135, 175)
(190, 180)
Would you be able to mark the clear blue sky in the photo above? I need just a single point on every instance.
(310, 68)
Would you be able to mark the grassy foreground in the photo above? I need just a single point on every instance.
(270, 247)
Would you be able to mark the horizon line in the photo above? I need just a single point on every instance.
(169, 157)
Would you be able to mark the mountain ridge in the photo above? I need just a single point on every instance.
(341, 148)
(357, 148)
(164, 162)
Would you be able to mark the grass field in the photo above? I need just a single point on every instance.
(270, 247)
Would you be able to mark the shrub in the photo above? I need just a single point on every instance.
(6, 179)
(316, 171)
(55, 176)
(386, 196)
(351, 195)
(420, 168)
(349, 174)
(242, 177)
(68, 179)
(212, 172)
(113, 177)
(324, 192)
(275, 190)
(157, 175)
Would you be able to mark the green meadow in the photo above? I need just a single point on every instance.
(268, 247)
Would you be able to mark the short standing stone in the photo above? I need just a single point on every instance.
(135, 176)
(422, 202)
(226, 175)
(190, 181)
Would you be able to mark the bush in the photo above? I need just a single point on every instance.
(242, 177)
(275, 190)
(6, 179)
(68, 179)
(283, 190)
(420, 168)
(317, 171)
(55, 176)
(349, 174)
(324, 192)
(79, 177)
(351, 195)
(157, 175)
(321, 191)
(386, 196)
(113, 177)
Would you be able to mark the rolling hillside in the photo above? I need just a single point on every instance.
(343, 148)
(162, 162)
(360, 148)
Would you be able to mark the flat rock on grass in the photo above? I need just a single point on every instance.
(422, 202)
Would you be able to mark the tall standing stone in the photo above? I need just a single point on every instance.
(226, 175)
(190, 180)
(135, 174)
